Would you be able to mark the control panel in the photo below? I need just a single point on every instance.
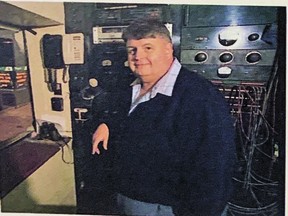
(233, 54)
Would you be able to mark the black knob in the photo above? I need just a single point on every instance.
(226, 57)
(201, 57)
(253, 57)
(253, 37)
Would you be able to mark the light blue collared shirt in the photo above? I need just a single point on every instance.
(164, 86)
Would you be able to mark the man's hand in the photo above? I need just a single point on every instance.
(100, 135)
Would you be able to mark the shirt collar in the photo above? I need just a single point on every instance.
(166, 84)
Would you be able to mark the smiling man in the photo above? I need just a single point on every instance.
(173, 139)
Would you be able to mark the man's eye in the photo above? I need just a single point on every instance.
(131, 51)
(148, 48)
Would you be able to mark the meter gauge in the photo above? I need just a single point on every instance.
(228, 37)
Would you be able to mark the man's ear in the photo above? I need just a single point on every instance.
(169, 49)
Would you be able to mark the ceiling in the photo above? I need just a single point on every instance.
(18, 18)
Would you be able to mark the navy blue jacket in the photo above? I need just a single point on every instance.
(177, 150)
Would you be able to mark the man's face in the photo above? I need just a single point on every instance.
(150, 58)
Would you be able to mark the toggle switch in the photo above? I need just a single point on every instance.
(80, 114)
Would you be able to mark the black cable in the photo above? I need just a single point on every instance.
(62, 143)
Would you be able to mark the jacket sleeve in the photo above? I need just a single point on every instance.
(109, 108)
(206, 135)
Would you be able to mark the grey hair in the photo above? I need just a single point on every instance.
(146, 28)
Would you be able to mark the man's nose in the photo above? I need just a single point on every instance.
(139, 53)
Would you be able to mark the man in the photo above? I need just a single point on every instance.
(172, 137)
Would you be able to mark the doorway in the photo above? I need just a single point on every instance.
(16, 115)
